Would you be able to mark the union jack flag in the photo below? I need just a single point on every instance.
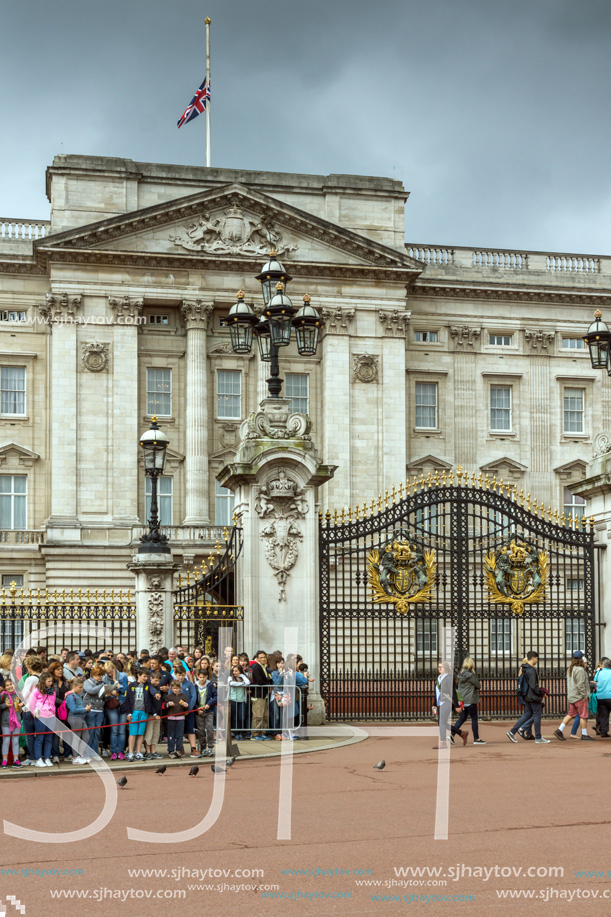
(197, 105)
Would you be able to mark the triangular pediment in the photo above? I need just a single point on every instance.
(504, 468)
(572, 471)
(228, 224)
(13, 452)
(428, 464)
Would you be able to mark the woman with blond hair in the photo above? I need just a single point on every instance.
(468, 688)
(578, 696)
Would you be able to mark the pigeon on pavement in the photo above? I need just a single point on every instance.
(121, 782)
(161, 770)
(217, 770)
(379, 766)
(194, 771)
(230, 762)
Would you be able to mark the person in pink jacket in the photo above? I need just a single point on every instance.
(42, 707)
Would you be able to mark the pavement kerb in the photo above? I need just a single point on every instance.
(64, 769)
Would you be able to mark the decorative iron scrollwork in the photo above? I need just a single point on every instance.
(401, 572)
(516, 574)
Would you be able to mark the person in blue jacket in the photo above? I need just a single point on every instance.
(190, 691)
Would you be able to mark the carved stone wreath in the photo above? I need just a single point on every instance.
(95, 357)
(365, 367)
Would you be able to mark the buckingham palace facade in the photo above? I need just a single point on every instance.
(111, 312)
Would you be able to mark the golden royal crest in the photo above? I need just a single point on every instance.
(401, 572)
(516, 574)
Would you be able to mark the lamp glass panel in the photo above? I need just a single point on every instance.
(280, 329)
(241, 337)
(307, 340)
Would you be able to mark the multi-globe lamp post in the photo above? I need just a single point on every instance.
(154, 444)
(274, 329)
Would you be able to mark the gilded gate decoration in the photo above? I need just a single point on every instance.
(401, 572)
(451, 550)
(517, 573)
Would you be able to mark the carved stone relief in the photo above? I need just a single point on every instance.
(395, 323)
(282, 503)
(233, 233)
(365, 367)
(337, 319)
(60, 307)
(155, 607)
(538, 341)
(125, 308)
(95, 357)
(464, 336)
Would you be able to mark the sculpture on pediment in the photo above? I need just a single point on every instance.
(233, 233)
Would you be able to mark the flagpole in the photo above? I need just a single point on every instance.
(208, 84)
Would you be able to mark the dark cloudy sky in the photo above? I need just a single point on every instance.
(494, 115)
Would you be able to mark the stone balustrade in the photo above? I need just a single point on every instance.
(207, 535)
(14, 537)
(30, 230)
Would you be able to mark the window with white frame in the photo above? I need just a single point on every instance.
(156, 318)
(574, 634)
(574, 401)
(12, 390)
(13, 501)
(575, 586)
(500, 340)
(296, 387)
(224, 502)
(573, 505)
(228, 394)
(500, 635)
(573, 344)
(426, 405)
(10, 316)
(426, 337)
(165, 498)
(500, 408)
(426, 636)
(159, 392)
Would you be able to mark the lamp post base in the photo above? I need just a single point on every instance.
(154, 548)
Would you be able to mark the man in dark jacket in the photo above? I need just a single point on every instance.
(261, 681)
(533, 699)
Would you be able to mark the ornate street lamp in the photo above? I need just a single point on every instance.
(598, 339)
(279, 318)
(154, 444)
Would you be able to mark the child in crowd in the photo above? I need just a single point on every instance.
(33, 666)
(238, 698)
(204, 719)
(151, 733)
(139, 708)
(42, 707)
(176, 705)
(190, 692)
(77, 714)
(10, 722)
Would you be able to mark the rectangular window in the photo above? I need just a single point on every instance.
(573, 505)
(12, 316)
(426, 636)
(575, 586)
(164, 499)
(229, 394)
(427, 519)
(574, 634)
(296, 386)
(573, 343)
(428, 337)
(426, 405)
(12, 390)
(500, 340)
(158, 319)
(13, 497)
(500, 635)
(9, 578)
(159, 392)
(11, 631)
(500, 407)
(574, 399)
(224, 501)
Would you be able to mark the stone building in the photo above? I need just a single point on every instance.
(110, 312)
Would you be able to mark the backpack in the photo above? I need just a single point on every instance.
(522, 686)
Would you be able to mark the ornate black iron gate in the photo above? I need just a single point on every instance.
(472, 554)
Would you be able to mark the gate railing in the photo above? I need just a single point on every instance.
(23, 612)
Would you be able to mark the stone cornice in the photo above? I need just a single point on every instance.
(196, 313)
(511, 295)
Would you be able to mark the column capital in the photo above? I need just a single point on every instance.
(337, 319)
(394, 322)
(60, 307)
(539, 341)
(196, 313)
(125, 308)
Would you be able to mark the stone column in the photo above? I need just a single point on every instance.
(196, 315)
(126, 423)
(154, 608)
(466, 344)
(60, 311)
(275, 477)
(336, 417)
(392, 432)
(537, 343)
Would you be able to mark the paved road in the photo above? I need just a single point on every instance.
(511, 806)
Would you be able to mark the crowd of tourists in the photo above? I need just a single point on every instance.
(587, 697)
(127, 706)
